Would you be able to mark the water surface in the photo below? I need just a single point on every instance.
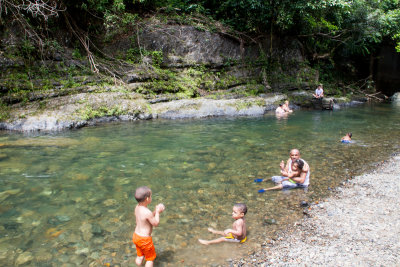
(67, 197)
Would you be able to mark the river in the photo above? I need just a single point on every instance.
(67, 197)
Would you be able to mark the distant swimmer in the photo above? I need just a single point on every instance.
(286, 107)
(346, 138)
(280, 110)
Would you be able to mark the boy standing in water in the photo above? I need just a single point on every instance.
(238, 232)
(145, 220)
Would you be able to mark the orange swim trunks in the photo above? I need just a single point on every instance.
(144, 247)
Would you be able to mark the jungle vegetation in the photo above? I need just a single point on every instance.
(328, 30)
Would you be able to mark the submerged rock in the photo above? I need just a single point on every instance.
(24, 258)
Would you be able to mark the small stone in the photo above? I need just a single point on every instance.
(110, 202)
(82, 251)
(304, 203)
(23, 258)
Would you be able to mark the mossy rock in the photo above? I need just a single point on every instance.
(301, 98)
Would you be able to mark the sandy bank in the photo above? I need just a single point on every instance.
(358, 226)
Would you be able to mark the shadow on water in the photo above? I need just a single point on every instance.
(67, 197)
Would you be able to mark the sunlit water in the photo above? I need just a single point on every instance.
(67, 198)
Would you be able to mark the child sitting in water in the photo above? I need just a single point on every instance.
(238, 232)
(346, 138)
(285, 180)
(297, 166)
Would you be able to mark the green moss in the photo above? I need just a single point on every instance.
(42, 104)
(149, 109)
(246, 104)
(242, 105)
(89, 112)
(4, 112)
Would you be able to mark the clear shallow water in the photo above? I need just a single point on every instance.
(68, 197)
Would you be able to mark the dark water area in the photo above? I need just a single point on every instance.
(67, 197)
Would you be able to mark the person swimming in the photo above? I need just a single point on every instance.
(347, 138)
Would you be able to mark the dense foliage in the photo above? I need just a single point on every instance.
(325, 26)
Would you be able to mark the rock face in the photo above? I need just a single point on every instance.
(226, 60)
(184, 46)
(396, 98)
(76, 110)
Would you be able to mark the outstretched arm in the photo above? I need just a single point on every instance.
(216, 231)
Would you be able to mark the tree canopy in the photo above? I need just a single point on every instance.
(326, 27)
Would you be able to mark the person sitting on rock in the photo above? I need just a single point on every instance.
(319, 92)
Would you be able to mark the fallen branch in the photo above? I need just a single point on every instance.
(374, 95)
(83, 39)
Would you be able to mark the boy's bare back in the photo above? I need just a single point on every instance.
(145, 219)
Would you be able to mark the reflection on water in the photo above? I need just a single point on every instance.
(68, 197)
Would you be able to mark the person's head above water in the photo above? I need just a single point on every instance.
(294, 154)
(349, 135)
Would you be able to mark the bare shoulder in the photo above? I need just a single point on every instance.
(143, 211)
(239, 222)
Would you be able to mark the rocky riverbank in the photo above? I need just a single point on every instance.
(358, 226)
(91, 108)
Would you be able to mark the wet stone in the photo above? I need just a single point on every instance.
(269, 221)
(95, 255)
(7, 193)
(63, 218)
(96, 229)
(43, 256)
(11, 226)
(57, 220)
(23, 258)
(110, 202)
(304, 203)
(94, 213)
(86, 230)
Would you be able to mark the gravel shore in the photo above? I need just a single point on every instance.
(358, 226)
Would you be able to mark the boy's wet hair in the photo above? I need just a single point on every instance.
(142, 193)
(350, 134)
(300, 163)
(242, 207)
